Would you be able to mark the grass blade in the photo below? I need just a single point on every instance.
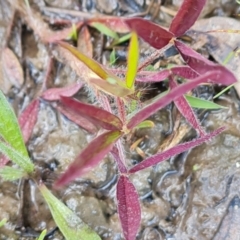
(11, 174)
(9, 128)
(133, 56)
(22, 161)
(71, 226)
(202, 103)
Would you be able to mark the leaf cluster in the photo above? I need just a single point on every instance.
(114, 127)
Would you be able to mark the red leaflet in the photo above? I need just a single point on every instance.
(186, 16)
(28, 119)
(89, 157)
(150, 32)
(115, 153)
(182, 71)
(174, 151)
(128, 208)
(185, 109)
(94, 114)
(171, 96)
(54, 94)
(12, 67)
(116, 24)
(76, 118)
(203, 65)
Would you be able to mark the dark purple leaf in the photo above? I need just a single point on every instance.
(186, 16)
(94, 114)
(159, 157)
(128, 208)
(76, 118)
(150, 32)
(89, 157)
(185, 109)
(115, 153)
(28, 119)
(54, 94)
(182, 71)
(171, 96)
(202, 65)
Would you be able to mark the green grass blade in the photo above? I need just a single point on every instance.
(223, 91)
(71, 226)
(104, 30)
(121, 39)
(113, 58)
(201, 103)
(133, 56)
(42, 235)
(22, 161)
(11, 174)
(9, 128)
(3, 222)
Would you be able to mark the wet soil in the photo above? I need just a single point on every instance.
(192, 196)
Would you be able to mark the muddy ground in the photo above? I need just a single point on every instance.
(192, 196)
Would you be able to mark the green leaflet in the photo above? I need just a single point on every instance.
(3, 222)
(71, 226)
(201, 103)
(42, 235)
(145, 124)
(133, 56)
(104, 30)
(22, 161)
(9, 128)
(11, 174)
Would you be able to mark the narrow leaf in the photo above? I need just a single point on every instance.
(159, 157)
(202, 65)
(133, 56)
(76, 118)
(145, 124)
(115, 153)
(150, 32)
(11, 174)
(73, 34)
(97, 115)
(92, 64)
(22, 161)
(102, 28)
(181, 71)
(148, 110)
(185, 109)
(9, 128)
(89, 157)
(112, 86)
(71, 226)
(121, 40)
(28, 119)
(186, 16)
(3, 222)
(12, 68)
(42, 235)
(54, 94)
(202, 103)
(112, 58)
(128, 207)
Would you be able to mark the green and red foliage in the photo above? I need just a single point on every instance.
(198, 71)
